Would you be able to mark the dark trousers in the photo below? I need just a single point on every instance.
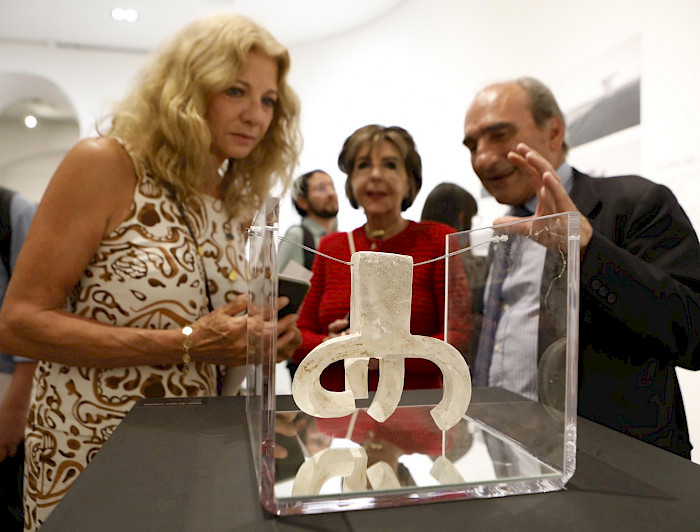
(11, 470)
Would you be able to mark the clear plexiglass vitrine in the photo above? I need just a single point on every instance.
(509, 441)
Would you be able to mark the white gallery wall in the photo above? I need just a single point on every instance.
(419, 66)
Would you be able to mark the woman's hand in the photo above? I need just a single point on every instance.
(220, 336)
(288, 336)
(337, 328)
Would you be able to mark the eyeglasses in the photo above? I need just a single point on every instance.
(322, 188)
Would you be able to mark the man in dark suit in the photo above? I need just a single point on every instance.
(640, 262)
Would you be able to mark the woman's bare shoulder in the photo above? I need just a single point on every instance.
(97, 164)
(102, 151)
(96, 176)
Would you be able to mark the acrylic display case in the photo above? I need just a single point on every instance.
(513, 439)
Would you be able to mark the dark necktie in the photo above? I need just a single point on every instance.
(492, 312)
(501, 257)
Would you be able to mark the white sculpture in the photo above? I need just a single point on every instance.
(380, 317)
(382, 477)
(351, 464)
(445, 472)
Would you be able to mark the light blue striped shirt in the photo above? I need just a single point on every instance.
(514, 360)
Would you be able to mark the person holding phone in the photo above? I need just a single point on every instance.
(131, 282)
(384, 176)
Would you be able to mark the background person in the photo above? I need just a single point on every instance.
(639, 271)
(138, 235)
(384, 177)
(16, 373)
(450, 204)
(315, 199)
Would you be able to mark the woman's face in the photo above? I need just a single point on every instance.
(239, 116)
(379, 179)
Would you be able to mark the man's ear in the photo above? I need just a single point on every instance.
(556, 134)
(303, 203)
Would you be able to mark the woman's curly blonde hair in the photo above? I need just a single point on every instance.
(162, 119)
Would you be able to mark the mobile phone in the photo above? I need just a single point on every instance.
(295, 290)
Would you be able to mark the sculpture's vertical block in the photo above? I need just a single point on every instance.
(381, 301)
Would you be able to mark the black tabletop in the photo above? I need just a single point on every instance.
(186, 465)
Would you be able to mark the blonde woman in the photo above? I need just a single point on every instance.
(138, 236)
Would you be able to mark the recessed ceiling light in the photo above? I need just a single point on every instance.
(30, 121)
(128, 15)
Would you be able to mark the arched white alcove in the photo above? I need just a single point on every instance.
(29, 156)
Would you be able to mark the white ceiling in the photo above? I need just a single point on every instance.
(88, 23)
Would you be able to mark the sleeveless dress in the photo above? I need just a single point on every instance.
(147, 273)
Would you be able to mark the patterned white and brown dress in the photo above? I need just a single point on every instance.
(147, 273)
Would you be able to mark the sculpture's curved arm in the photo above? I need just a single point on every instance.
(457, 388)
(324, 465)
(445, 472)
(389, 387)
(315, 400)
(307, 391)
(382, 477)
(456, 381)
(357, 377)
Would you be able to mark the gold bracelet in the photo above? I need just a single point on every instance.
(186, 344)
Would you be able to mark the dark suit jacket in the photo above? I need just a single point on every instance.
(639, 308)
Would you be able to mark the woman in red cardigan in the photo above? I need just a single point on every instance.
(384, 177)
